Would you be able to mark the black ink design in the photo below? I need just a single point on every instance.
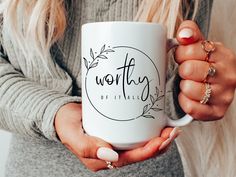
(109, 79)
(154, 107)
(95, 59)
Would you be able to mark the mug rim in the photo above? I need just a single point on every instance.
(124, 22)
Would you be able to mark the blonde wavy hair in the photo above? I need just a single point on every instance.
(35, 25)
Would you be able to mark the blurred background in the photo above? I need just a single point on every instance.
(222, 29)
(4, 145)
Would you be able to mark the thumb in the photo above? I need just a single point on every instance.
(85, 146)
(93, 147)
(189, 33)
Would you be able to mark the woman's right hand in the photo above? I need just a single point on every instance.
(68, 125)
(94, 152)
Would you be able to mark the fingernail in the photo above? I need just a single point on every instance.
(186, 33)
(107, 154)
(175, 132)
(165, 144)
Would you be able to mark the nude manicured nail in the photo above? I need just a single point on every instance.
(107, 154)
(173, 134)
(186, 33)
(165, 144)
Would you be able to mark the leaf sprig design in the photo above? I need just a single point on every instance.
(147, 108)
(101, 55)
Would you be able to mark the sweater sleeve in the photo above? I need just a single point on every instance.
(26, 107)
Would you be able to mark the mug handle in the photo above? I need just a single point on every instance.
(172, 43)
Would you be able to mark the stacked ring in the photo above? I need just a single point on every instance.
(207, 95)
(208, 47)
(109, 165)
(211, 72)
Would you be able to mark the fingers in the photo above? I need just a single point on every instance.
(196, 91)
(151, 149)
(82, 145)
(188, 33)
(93, 152)
(107, 154)
(94, 164)
(96, 159)
(195, 52)
(190, 52)
(172, 135)
(192, 107)
(196, 66)
(166, 132)
(140, 154)
(189, 70)
(202, 112)
(87, 147)
(198, 71)
(194, 70)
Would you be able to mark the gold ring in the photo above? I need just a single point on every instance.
(207, 95)
(211, 72)
(208, 47)
(109, 165)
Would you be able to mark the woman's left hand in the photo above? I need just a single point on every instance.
(193, 70)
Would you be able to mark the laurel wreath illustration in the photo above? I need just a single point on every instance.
(95, 59)
(154, 105)
(154, 99)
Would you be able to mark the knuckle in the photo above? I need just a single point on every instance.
(185, 86)
(228, 98)
(81, 153)
(188, 108)
(229, 55)
(219, 113)
(83, 150)
(189, 51)
(230, 79)
(219, 116)
(186, 70)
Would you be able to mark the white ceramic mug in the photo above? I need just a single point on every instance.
(123, 82)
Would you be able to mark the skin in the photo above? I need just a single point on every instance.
(69, 129)
(192, 69)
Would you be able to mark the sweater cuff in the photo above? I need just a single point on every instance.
(48, 128)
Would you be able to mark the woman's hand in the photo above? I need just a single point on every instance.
(193, 70)
(94, 152)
